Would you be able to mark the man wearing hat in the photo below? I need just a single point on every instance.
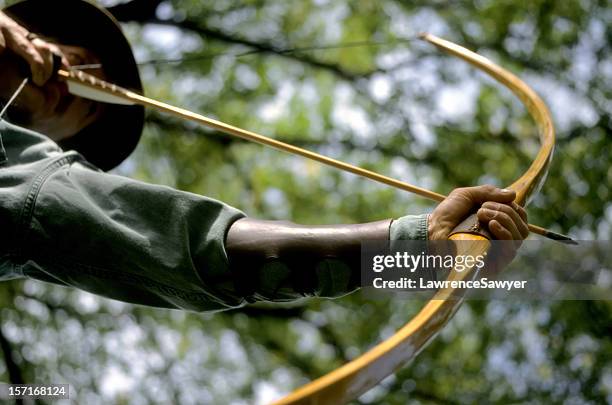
(64, 220)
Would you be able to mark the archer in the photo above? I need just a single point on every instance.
(65, 220)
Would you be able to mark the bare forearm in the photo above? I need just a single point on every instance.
(274, 260)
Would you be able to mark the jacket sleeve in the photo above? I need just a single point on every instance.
(65, 222)
(130, 240)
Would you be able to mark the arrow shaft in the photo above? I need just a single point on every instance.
(107, 92)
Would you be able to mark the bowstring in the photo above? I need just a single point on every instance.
(279, 51)
(13, 97)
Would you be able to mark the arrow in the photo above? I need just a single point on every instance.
(88, 86)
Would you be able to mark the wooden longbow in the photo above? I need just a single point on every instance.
(358, 376)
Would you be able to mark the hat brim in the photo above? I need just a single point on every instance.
(114, 136)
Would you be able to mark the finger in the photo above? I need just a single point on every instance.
(499, 231)
(481, 194)
(47, 56)
(515, 217)
(486, 215)
(521, 211)
(58, 51)
(502, 218)
(24, 48)
(9, 27)
(523, 214)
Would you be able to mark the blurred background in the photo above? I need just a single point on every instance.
(380, 100)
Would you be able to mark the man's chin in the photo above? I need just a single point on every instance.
(18, 116)
(25, 118)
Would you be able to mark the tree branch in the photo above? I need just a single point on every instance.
(12, 367)
(144, 12)
(261, 47)
(14, 372)
(134, 10)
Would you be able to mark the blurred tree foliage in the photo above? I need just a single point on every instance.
(396, 106)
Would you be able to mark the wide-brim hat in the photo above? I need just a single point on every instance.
(110, 140)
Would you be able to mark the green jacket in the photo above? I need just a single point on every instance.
(64, 221)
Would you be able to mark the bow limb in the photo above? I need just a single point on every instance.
(531, 181)
(356, 377)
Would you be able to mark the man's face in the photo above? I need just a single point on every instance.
(50, 109)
